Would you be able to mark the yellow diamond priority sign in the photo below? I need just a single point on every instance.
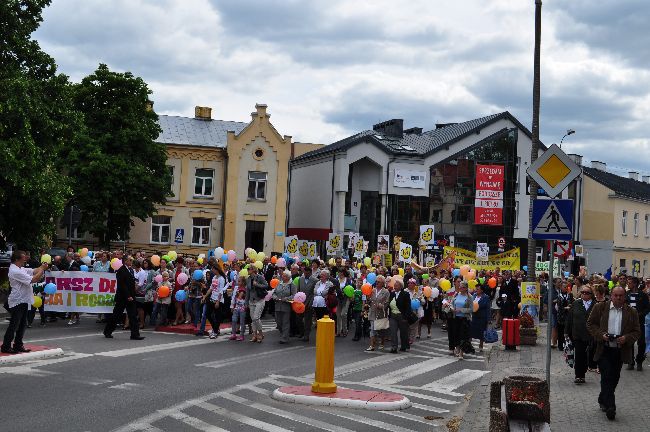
(553, 171)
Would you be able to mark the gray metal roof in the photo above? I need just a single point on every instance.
(623, 186)
(195, 132)
(416, 144)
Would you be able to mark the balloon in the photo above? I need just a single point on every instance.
(90, 254)
(444, 284)
(401, 271)
(471, 275)
(415, 304)
(197, 275)
(296, 281)
(224, 257)
(348, 291)
(182, 278)
(610, 284)
(464, 270)
(163, 291)
(244, 273)
(201, 256)
(285, 256)
(49, 289)
(84, 267)
(371, 278)
(455, 272)
(115, 265)
(200, 260)
(472, 284)
(519, 305)
(84, 252)
(475, 306)
(427, 291)
(251, 254)
(158, 278)
(367, 261)
(425, 276)
(86, 260)
(46, 258)
(435, 293)
(274, 259)
(492, 282)
(300, 297)
(525, 268)
(181, 295)
(274, 283)
(37, 302)
(166, 258)
(155, 260)
(298, 308)
(232, 256)
(281, 262)
(172, 255)
(331, 262)
(219, 251)
(261, 256)
(566, 274)
(481, 280)
(259, 265)
(366, 289)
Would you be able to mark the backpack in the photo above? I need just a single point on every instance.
(490, 335)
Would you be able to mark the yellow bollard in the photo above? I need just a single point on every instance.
(324, 376)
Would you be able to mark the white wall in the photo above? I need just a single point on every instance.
(311, 194)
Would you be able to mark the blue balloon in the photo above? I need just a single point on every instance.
(371, 278)
(415, 304)
(455, 272)
(197, 275)
(566, 274)
(49, 289)
(83, 268)
(224, 257)
(525, 268)
(181, 295)
(285, 256)
(90, 254)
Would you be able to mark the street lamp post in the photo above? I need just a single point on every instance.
(568, 132)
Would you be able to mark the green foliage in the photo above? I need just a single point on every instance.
(37, 121)
(119, 170)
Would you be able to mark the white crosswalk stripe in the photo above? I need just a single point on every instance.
(264, 425)
(456, 380)
(195, 422)
(411, 371)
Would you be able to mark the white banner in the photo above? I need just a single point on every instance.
(409, 179)
(405, 252)
(291, 245)
(383, 244)
(358, 247)
(80, 292)
(336, 241)
(312, 250)
(303, 248)
(482, 251)
(426, 235)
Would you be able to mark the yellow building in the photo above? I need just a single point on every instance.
(229, 187)
(615, 221)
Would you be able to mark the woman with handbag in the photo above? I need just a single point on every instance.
(377, 316)
(461, 312)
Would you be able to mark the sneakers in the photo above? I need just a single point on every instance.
(71, 322)
(233, 337)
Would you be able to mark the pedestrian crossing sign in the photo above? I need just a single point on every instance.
(552, 219)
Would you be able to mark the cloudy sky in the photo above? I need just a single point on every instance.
(330, 68)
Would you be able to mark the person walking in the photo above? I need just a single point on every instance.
(400, 308)
(481, 317)
(306, 284)
(256, 290)
(615, 327)
(459, 326)
(639, 301)
(124, 299)
(283, 295)
(576, 330)
(20, 298)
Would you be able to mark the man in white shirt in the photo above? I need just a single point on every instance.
(20, 299)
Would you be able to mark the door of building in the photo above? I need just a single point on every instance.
(370, 218)
(254, 237)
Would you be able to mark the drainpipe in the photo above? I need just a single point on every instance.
(223, 202)
(332, 200)
(386, 229)
(286, 216)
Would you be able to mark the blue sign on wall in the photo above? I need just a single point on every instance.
(552, 219)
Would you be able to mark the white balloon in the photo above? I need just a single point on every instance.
(435, 292)
(218, 252)
(86, 260)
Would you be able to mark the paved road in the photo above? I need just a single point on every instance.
(171, 382)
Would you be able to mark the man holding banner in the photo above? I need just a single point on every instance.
(124, 299)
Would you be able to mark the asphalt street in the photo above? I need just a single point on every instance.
(172, 382)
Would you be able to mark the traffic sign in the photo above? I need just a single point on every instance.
(180, 233)
(562, 248)
(552, 219)
(553, 171)
(501, 242)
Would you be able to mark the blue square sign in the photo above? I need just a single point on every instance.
(180, 233)
(552, 219)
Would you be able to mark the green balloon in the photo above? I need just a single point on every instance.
(611, 284)
(246, 266)
(348, 291)
(425, 276)
(482, 280)
(296, 281)
(166, 258)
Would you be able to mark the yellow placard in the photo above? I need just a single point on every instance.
(509, 260)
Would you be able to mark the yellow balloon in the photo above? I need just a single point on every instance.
(259, 265)
(200, 260)
(261, 256)
(173, 255)
(472, 284)
(252, 254)
(367, 261)
(401, 271)
(331, 262)
(37, 302)
(46, 259)
(444, 285)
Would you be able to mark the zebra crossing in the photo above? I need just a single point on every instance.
(431, 379)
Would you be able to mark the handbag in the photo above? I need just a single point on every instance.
(411, 318)
(569, 351)
(381, 324)
(490, 335)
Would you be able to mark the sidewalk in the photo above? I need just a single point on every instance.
(573, 407)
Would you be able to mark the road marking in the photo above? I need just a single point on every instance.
(125, 386)
(358, 366)
(282, 413)
(71, 337)
(236, 360)
(196, 423)
(418, 395)
(365, 420)
(411, 417)
(428, 408)
(240, 417)
(446, 351)
(456, 380)
(160, 347)
(410, 371)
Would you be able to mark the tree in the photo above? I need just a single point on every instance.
(120, 171)
(37, 120)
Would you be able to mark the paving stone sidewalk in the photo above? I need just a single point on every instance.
(573, 407)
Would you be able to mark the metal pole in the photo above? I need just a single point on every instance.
(70, 226)
(549, 302)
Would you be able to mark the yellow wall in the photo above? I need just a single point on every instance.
(597, 211)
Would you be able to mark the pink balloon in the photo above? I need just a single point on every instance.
(158, 278)
(115, 265)
(182, 279)
(232, 255)
(281, 262)
(300, 297)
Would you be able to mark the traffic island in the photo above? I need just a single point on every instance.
(38, 352)
(343, 398)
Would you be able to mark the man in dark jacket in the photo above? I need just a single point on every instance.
(576, 329)
(399, 321)
(124, 299)
(511, 289)
(639, 301)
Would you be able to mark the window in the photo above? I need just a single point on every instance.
(203, 182)
(621, 263)
(75, 233)
(516, 214)
(160, 227)
(436, 216)
(256, 185)
(200, 231)
(624, 223)
(647, 225)
(171, 173)
(636, 224)
(517, 178)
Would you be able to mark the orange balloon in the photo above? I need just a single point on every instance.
(274, 259)
(366, 289)
(492, 282)
(163, 291)
(298, 307)
(274, 283)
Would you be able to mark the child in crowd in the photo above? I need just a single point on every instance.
(238, 305)
(161, 305)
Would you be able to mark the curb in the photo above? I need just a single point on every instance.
(329, 400)
(35, 355)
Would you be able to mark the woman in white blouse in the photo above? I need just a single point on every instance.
(320, 292)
